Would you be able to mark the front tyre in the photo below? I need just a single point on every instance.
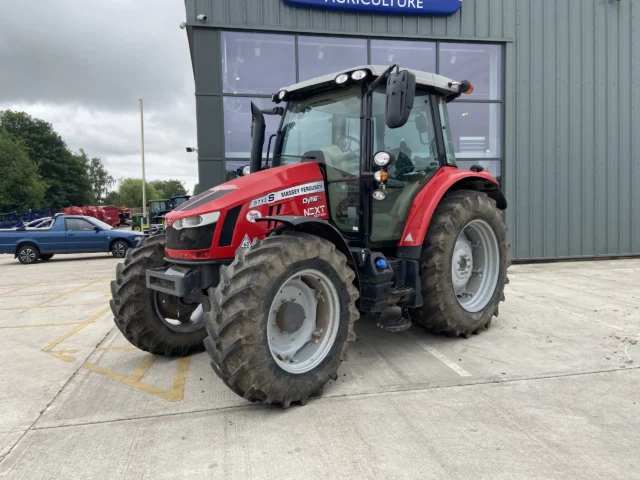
(152, 321)
(119, 248)
(463, 265)
(281, 317)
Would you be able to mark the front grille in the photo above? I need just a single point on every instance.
(198, 238)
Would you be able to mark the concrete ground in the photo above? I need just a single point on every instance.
(552, 390)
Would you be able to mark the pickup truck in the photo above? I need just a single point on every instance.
(66, 234)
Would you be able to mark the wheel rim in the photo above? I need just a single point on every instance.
(303, 321)
(118, 250)
(177, 315)
(27, 255)
(475, 266)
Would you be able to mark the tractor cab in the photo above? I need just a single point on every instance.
(377, 134)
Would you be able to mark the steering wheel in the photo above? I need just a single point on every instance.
(347, 147)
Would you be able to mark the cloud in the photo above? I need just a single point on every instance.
(82, 66)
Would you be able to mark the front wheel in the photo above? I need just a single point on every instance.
(281, 317)
(464, 265)
(152, 321)
(136, 228)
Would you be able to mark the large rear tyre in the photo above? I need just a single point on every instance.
(281, 317)
(152, 321)
(464, 265)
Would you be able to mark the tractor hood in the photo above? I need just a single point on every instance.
(212, 225)
(254, 189)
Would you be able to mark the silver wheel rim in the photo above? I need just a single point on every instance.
(176, 315)
(475, 266)
(303, 321)
(28, 255)
(118, 250)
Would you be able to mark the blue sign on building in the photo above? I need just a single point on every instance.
(388, 7)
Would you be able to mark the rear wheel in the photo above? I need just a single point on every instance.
(463, 265)
(152, 321)
(137, 228)
(119, 248)
(281, 317)
(28, 254)
(47, 257)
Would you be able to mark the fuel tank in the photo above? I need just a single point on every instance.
(213, 224)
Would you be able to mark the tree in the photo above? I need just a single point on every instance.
(21, 187)
(169, 188)
(112, 198)
(196, 189)
(66, 174)
(130, 192)
(101, 181)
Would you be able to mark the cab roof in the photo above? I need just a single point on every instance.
(441, 84)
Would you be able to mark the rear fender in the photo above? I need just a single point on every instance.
(317, 227)
(427, 200)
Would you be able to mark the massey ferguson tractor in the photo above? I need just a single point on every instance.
(360, 208)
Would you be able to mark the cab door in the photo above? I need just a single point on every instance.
(415, 148)
(83, 237)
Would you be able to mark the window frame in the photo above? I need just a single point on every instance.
(437, 42)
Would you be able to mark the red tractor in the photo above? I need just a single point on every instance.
(360, 208)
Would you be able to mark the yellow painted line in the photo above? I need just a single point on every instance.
(21, 288)
(67, 305)
(75, 330)
(62, 294)
(143, 368)
(41, 325)
(176, 394)
(61, 355)
(125, 347)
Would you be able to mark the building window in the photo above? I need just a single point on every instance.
(479, 63)
(414, 55)
(237, 125)
(476, 119)
(319, 56)
(256, 63)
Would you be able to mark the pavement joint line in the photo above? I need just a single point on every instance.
(440, 356)
(248, 406)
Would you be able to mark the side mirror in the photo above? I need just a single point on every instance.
(421, 124)
(97, 228)
(401, 91)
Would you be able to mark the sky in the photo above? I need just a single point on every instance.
(83, 65)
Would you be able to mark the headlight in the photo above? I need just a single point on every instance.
(342, 79)
(196, 220)
(380, 194)
(359, 75)
(381, 159)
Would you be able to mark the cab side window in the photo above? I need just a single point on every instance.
(78, 225)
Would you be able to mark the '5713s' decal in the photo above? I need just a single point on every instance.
(273, 197)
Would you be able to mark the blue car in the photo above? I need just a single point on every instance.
(66, 234)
